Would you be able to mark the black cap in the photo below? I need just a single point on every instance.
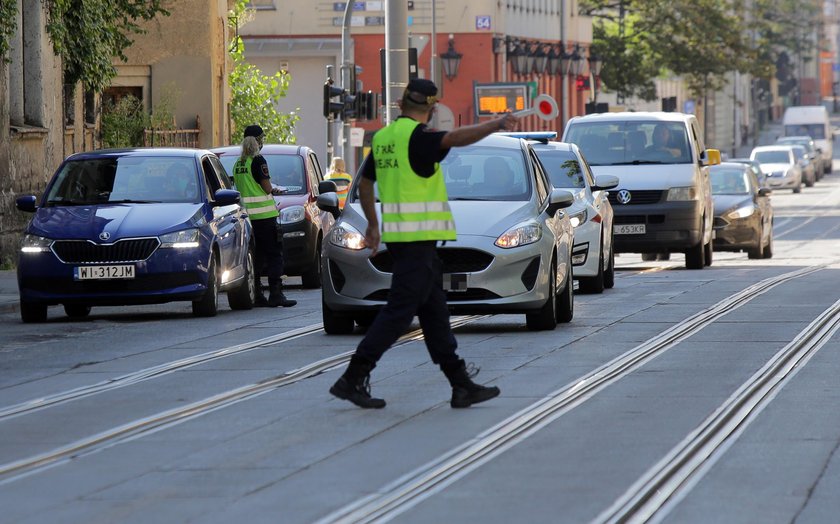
(254, 130)
(421, 91)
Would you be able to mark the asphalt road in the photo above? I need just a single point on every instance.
(683, 396)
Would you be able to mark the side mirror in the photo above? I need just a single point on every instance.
(559, 199)
(764, 191)
(327, 186)
(604, 182)
(710, 157)
(328, 202)
(26, 203)
(225, 197)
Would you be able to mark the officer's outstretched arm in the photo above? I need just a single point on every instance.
(464, 136)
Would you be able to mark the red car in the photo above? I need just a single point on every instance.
(297, 170)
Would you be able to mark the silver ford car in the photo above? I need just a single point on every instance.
(513, 252)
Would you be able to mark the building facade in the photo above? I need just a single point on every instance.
(303, 37)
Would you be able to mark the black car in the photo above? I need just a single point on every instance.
(297, 171)
(743, 213)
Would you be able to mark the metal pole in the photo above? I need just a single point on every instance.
(345, 151)
(435, 59)
(564, 80)
(396, 56)
(330, 70)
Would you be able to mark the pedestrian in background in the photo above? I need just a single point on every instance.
(252, 179)
(404, 161)
(338, 174)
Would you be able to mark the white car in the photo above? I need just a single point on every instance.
(779, 164)
(593, 257)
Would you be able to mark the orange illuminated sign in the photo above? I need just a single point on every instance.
(492, 99)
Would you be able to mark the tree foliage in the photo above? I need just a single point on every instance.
(88, 34)
(701, 40)
(254, 96)
(8, 17)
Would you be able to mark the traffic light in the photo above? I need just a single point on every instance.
(582, 83)
(348, 101)
(332, 108)
(367, 106)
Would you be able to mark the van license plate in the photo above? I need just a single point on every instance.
(103, 272)
(629, 229)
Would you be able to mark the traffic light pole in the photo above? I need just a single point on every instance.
(346, 150)
(330, 120)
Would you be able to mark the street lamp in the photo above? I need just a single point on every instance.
(553, 61)
(540, 59)
(451, 59)
(519, 59)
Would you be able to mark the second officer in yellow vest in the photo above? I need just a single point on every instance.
(252, 180)
(415, 217)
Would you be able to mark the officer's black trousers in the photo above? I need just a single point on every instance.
(416, 289)
(268, 255)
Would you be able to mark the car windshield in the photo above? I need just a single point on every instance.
(126, 179)
(776, 156)
(728, 181)
(285, 170)
(816, 131)
(486, 173)
(563, 168)
(804, 143)
(631, 142)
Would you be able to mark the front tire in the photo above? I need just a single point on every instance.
(566, 301)
(208, 305)
(76, 310)
(609, 274)
(244, 296)
(594, 285)
(32, 312)
(695, 258)
(311, 278)
(335, 323)
(546, 318)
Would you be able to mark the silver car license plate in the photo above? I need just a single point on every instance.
(121, 271)
(456, 282)
(629, 229)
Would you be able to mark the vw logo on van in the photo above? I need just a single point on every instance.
(623, 197)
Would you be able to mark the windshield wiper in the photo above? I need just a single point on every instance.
(70, 203)
(130, 201)
(472, 199)
(635, 162)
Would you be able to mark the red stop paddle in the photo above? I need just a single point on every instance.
(544, 107)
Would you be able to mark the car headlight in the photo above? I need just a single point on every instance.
(520, 235)
(578, 218)
(185, 239)
(292, 214)
(348, 237)
(35, 244)
(682, 194)
(741, 212)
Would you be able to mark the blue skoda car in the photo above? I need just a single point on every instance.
(135, 226)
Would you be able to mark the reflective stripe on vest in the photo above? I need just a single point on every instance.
(258, 204)
(414, 208)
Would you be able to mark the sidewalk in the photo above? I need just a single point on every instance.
(8, 291)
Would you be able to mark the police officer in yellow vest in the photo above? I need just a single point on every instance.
(404, 161)
(250, 174)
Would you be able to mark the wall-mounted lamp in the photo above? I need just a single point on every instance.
(451, 59)
(553, 61)
(595, 63)
(519, 59)
(573, 62)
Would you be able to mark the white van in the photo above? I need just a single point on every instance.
(663, 203)
(811, 121)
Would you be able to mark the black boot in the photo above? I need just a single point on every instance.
(276, 296)
(354, 384)
(260, 300)
(465, 392)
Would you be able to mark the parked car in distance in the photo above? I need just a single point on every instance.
(743, 212)
(809, 176)
(135, 226)
(663, 203)
(295, 169)
(593, 258)
(512, 255)
(780, 165)
(814, 154)
(755, 167)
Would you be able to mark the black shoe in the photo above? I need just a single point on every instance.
(261, 301)
(465, 392)
(358, 394)
(276, 296)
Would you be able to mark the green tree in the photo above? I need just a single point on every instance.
(8, 16)
(701, 40)
(88, 34)
(254, 96)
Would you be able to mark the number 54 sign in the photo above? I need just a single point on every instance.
(482, 23)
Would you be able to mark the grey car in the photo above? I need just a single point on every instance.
(513, 252)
